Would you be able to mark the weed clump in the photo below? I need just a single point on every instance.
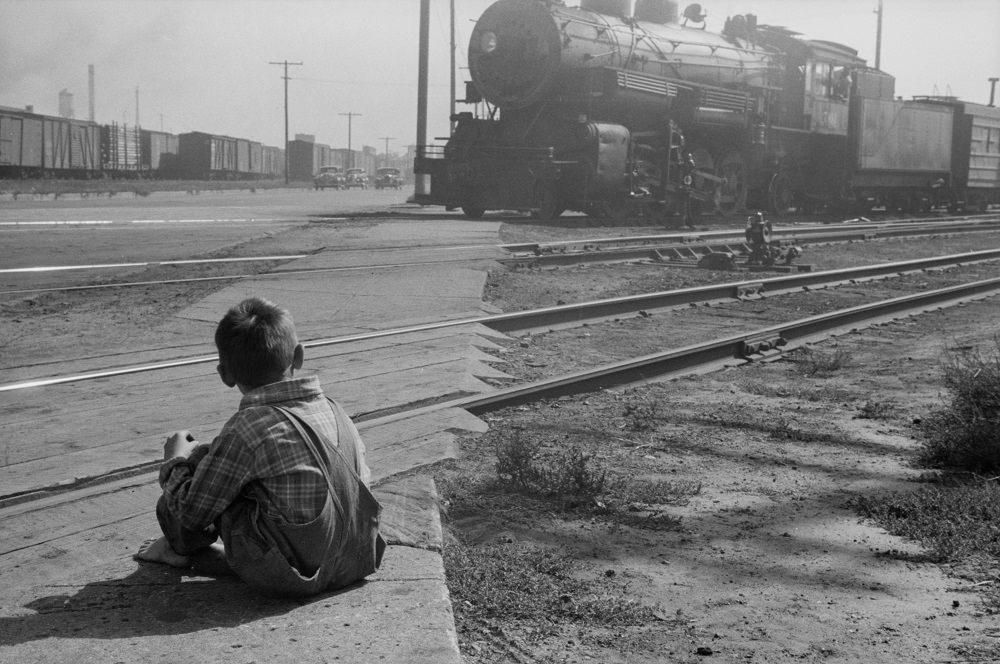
(819, 363)
(953, 519)
(965, 433)
(524, 464)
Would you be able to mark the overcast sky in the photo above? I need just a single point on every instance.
(203, 65)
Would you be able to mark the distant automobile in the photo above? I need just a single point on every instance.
(356, 177)
(329, 176)
(388, 178)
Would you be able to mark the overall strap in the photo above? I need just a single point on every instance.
(311, 439)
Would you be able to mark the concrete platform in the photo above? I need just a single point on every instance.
(79, 598)
(72, 593)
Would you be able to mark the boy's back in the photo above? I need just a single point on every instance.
(285, 481)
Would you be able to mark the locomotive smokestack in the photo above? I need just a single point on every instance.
(993, 89)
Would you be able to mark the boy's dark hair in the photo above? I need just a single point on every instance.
(256, 341)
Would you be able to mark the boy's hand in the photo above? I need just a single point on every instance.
(179, 444)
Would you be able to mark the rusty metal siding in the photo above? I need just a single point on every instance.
(903, 136)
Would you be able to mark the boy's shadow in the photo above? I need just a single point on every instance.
(152, 600)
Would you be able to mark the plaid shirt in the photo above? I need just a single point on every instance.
(257, 444)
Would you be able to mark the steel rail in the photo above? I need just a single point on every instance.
(757, 345)
(724, 242)
(760, 344)
(568, 315)
(279, 272)
(690, 236)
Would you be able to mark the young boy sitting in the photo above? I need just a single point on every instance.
(284, 484)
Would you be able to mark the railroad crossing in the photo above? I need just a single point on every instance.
(79, 486)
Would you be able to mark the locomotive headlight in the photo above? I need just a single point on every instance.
(488, 42)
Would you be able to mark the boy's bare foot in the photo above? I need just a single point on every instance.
(159, 551)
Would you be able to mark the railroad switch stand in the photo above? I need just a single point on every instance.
(761, 251)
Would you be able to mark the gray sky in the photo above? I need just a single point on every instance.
(202, 65)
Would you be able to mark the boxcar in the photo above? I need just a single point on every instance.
(204, 156)
(305, 158)
(32, 145)
(158, 152)
(975, 157)
(121, 154)
(901, 153)
(273, 162)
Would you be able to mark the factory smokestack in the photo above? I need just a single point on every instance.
(90, 88)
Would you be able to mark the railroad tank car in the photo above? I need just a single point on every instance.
(593, 110)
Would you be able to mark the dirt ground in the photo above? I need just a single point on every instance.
(729, 534)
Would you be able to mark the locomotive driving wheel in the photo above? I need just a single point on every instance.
(732, 191)
(781, 194)
(547, 202)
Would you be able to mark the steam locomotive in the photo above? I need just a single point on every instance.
(590, 109)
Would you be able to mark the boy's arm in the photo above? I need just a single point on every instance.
(200, 487)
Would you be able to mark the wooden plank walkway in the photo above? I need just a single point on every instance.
(71, 591)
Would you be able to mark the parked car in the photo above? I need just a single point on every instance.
(356, 177)
(388, 178)
(329, 176)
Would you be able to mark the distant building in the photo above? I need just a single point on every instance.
(306, 138)
(65, 104)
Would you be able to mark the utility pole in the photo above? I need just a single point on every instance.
(878, 38)
(350, 154)
(386, 139)
(136, 106)
(451, 111)
(422, 184)
(286, 64)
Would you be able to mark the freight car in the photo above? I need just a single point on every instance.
(975, 157)
(593, 110)
(33, 145)
(41, 146)
(306, 157)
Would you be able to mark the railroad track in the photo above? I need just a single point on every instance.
(749, 344)
(570, 315)
(675, 248)
(668, 248)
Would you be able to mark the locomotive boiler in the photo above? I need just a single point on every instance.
(591, 109)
